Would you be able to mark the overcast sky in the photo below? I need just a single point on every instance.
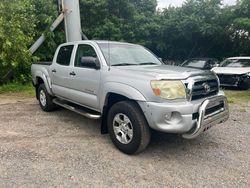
(166, 3)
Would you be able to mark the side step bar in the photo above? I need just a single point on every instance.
(78, 109)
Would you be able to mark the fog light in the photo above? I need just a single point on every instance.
(168, 116)
(173, 118)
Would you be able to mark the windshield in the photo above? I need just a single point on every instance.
(127, 54)
(196, 63)
(235, 63)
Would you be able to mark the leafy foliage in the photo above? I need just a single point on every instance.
(17, 24)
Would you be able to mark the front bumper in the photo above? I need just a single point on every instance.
(187, 118)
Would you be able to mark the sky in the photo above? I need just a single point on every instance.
(166, 3)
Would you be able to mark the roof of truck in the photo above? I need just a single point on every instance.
(99, 42)
(113, 42)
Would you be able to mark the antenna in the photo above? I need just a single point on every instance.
(109, 35)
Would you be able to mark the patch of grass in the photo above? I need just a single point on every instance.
(25, 90)
(235, 96)
(243, 110)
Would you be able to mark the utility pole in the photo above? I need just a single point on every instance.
(72, 20)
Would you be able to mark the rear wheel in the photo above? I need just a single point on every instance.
(45, 99)
(128, 128)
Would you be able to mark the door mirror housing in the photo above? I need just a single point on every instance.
(90, 62)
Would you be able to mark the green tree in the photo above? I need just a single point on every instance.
(193, 29)
(17, 24)
(123, 20)
(240, 28)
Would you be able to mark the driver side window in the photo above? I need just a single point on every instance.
(84, 52)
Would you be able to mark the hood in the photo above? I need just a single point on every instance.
(231, 70)
(164, 71)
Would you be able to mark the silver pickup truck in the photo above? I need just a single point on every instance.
(130, 90)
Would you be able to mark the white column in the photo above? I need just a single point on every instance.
(72, 20)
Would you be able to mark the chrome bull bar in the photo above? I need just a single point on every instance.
(208, 118)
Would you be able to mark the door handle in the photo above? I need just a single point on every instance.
(72, 73)
(54, 70)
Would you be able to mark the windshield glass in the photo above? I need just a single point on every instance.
(196, 63)
(127, 54)
(236, 63)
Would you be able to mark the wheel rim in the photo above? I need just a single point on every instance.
(43, 98)
(123, 128)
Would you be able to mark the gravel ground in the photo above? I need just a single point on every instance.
(64, 149)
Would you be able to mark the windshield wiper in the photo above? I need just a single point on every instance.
(123, 64)
(148, 63)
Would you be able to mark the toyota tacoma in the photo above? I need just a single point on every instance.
(130, 90)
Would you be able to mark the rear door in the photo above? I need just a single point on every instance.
(61, 70)
(86, 79)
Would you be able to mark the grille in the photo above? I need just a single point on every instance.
(206, 88)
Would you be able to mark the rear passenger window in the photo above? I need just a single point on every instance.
(64, 55)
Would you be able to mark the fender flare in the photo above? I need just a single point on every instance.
(46, 81)
(120, 89)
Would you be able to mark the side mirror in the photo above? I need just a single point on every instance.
(91, 62)
(216, 65)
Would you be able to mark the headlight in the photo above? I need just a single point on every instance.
(169, 89)
(248, 74)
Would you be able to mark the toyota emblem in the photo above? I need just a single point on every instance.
(206, 88)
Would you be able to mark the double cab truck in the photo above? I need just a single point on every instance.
(130, 90)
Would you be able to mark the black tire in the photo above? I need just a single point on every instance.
(245, 84)
(48, 105)
(141, 131)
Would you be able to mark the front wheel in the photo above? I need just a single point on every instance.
(45, 99)
(128, 128)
